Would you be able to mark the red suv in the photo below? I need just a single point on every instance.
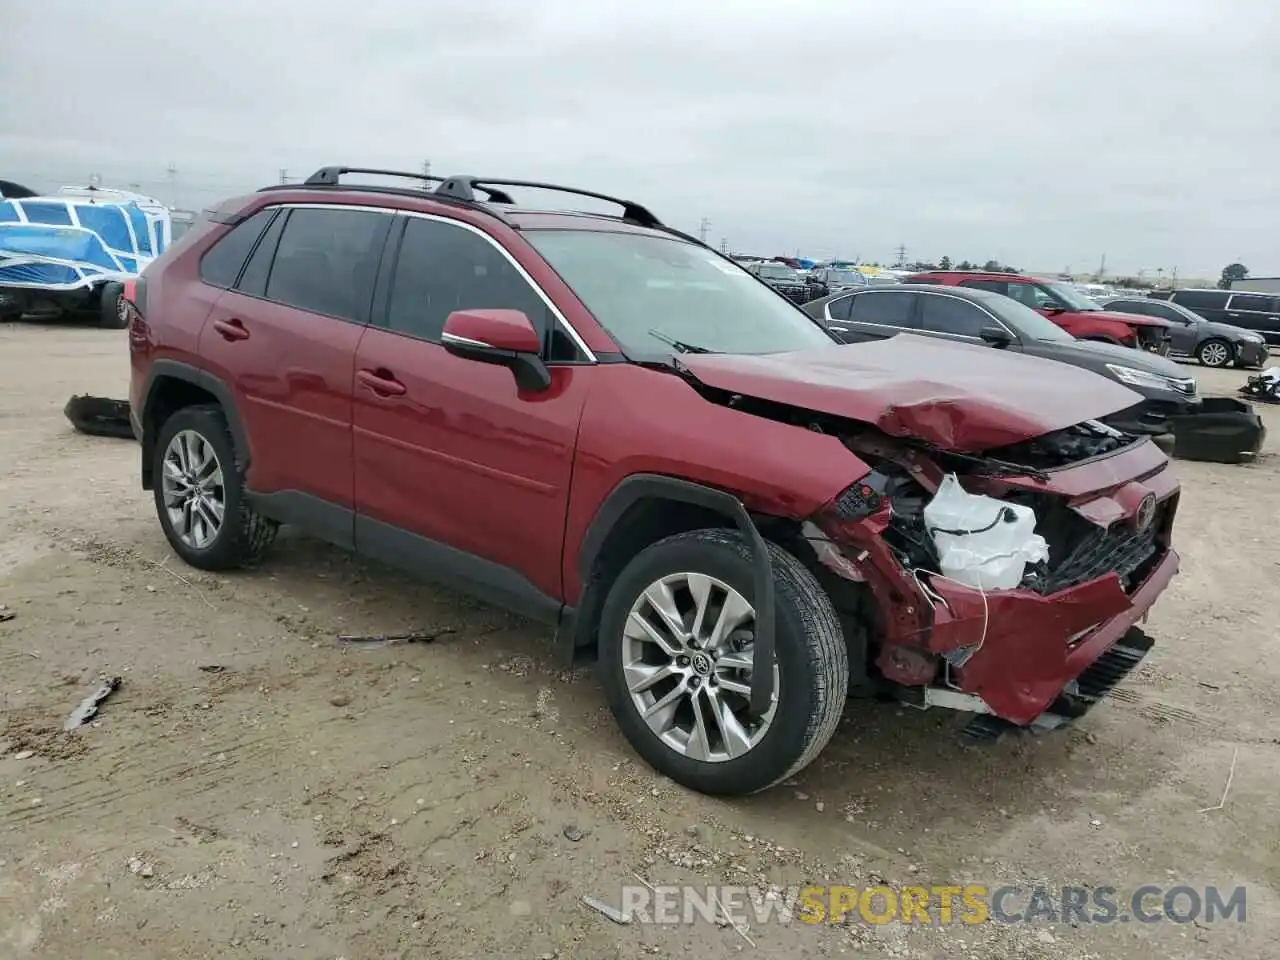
(610, 428)
(1064, 305)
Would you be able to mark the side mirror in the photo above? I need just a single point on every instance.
(996, 336)
(503, 337)
(1053, 308)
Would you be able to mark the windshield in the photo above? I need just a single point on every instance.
(1025, 322)
(1072, 297)
(777, 271)
(647, 291)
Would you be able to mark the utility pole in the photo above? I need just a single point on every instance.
(724, 245)
(172, 171)
(1102, 269)
(703, 226)
(1173, 280)
(284, 175)
(426, 172)
(902, 255)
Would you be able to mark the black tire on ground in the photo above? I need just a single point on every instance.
(812, 659)
(109, 314)
(1216, 353)
(244, 535)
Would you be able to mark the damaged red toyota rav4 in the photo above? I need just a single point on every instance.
(604, 425)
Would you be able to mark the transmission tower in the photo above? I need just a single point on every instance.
(703, 227)
(172, 171)
(902, 255)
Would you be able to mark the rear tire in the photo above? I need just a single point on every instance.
(110, 315)
(705, 740)
(200, 493)
(1215, 353)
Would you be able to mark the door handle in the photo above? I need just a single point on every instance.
(381, 382)
(232, 329)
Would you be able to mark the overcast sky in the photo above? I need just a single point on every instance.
(1043, 133)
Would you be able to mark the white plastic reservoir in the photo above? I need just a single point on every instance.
(982, 542)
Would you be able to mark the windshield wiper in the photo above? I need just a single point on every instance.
(677, 344)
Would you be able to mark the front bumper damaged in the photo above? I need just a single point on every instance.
(1026, 656)
(1029, 648)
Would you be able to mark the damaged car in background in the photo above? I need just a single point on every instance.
(740, 519)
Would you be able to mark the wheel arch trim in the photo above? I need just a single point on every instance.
(649, 486)
(165, 369)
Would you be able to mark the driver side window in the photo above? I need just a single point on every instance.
(441, 268)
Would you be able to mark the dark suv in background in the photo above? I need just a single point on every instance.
(1191, 335)
(1259, 312)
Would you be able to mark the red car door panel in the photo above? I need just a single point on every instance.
(462, 457)
(292, 388)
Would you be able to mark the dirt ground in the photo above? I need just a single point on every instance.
(308, 799)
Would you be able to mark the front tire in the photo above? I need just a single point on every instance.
(200, 493)
(1215, 353)
(676, 650)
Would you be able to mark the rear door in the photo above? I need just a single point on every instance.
(456, 469)
(1255, 311)
(285, 339)
(877, 314)
(836, 313)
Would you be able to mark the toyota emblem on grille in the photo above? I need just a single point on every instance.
(1146, 514)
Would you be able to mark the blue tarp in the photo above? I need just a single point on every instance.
(67, 242)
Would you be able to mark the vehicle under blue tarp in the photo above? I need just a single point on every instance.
(79, 239)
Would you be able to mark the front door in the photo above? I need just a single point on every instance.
(457, 470)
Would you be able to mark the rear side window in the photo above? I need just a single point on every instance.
(952, 315)
(221, 264)
(839, 309)
(1252, 302)
(442, 267)
(886, 309)
(327, 261)
(1199, 298)
(253, 281)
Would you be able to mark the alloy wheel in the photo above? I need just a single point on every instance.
(194, 496)
(1214, 354)
(688, 655)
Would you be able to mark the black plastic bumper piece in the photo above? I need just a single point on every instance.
(1224, 430)
(1090, 688)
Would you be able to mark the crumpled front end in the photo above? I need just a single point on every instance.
(1015, 653)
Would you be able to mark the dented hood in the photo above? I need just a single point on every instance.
(956, 396)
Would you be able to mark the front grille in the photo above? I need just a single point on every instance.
(795, 294)
(1120, 548)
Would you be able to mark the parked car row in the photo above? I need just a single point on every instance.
(978, 316)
